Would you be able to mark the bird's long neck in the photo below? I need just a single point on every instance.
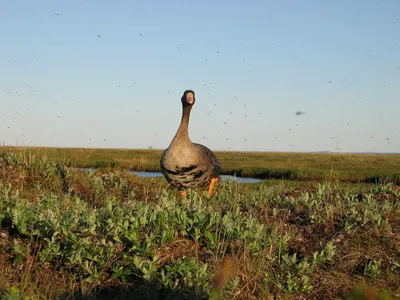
(182, 133)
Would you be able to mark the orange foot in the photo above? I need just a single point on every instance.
(212, 183)
(184, 199)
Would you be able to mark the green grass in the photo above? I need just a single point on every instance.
(107, 234)
(293, 166)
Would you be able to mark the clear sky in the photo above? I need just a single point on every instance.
(111, 73)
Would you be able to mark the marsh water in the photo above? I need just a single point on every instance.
(238, 179)
(158, 174)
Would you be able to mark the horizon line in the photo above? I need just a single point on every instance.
(216, 150)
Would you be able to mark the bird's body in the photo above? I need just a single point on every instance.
(185, 164)
(189, 166)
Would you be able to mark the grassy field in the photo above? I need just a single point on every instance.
(70, 234)
(267, 165)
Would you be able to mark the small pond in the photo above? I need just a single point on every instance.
(158, 174)
(238, 179)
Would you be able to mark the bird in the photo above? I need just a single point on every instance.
(299, 113)
(222, 277)
(185, 164)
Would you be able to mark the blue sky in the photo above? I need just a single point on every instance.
(111, 73)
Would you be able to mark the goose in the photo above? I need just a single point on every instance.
(185, 164)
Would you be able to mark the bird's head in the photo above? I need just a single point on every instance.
(188, 98)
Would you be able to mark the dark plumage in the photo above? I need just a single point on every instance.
(186, 164)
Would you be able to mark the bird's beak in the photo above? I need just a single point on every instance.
(190, 98)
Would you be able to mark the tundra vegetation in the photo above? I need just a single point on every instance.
(330, 231)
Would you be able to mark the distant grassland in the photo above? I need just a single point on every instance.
(279, 165)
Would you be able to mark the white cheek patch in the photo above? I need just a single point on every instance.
(190, 98)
